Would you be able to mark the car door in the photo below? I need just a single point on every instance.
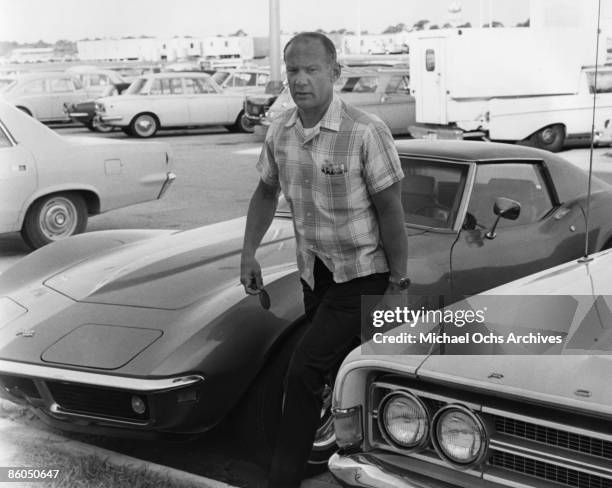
(207, 106)
(167, 100)
(64, 90)
(17, 180)
(361, 91)
(34, 96)
(545, 233)
(396, 106)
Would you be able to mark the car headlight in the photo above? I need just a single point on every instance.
(403, 420)
(459, 436)
(100, 107)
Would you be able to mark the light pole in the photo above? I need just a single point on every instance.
(276, 83)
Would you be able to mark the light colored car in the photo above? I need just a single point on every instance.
(242, 80)
(49, 184)
(43, 94)
(537, 413)
(383, 92)
(172, 100)
(96, 81)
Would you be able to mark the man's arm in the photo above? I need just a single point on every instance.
(390, 214)
(259, 217)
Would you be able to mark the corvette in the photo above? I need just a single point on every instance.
(148, 332)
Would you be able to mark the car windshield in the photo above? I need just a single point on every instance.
(431, 192)
(136, 87)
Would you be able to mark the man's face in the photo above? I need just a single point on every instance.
(310, 74)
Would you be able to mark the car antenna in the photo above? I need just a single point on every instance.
(586, 258)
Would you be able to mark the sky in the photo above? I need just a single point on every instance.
(50, 20)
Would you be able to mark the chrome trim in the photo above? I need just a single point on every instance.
(77, 114)
(98, 379)
(8, 134)
(479, 424)
(110, 118)
(170, 177)
(55, 409)
(365, 470)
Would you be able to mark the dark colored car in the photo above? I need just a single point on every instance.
(145, 332)
(85, 112)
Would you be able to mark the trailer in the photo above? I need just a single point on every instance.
(458, 76)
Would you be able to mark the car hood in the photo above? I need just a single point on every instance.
(172, 271)
(575, 300)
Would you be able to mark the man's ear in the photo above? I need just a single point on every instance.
(335, 71)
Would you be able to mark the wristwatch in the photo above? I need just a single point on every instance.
(402, 283)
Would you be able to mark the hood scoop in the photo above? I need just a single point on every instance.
(100, 346)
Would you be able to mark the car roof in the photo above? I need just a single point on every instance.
(174, 74)
(44, 74)
(476, 151)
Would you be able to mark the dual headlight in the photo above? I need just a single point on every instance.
(456, 433)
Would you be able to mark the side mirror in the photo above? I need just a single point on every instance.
(504, 208)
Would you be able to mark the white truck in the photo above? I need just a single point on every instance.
(508, 84)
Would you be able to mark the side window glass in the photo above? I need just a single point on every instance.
(430, 60)
(34, 87)
(60, 85)
(520, 182)
(393, 85)
(207, 87)
(262, 79)
(604, 81)
(176, 86)
(366, 84)
(156, 88)
(4, 138)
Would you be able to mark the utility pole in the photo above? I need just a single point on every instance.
(276, 83)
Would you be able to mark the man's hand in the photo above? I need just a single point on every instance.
(250, 275)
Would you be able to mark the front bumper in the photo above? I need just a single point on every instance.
(365, 470)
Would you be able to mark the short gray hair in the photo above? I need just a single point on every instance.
(328, 45)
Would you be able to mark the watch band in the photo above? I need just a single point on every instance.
(402, 283)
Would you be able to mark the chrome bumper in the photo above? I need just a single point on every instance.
(364, 470)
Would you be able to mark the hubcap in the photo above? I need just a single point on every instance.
(145, 125)
(58, 218)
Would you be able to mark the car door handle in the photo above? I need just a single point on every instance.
(562, 212)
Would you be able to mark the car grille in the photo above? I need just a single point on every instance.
(548, 471)
(553, 437)
(256, 109)
(97, 402)
(546, 446)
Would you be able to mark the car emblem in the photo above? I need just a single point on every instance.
(497, 376)
(26, 333)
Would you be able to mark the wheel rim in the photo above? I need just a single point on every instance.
(246, 124)
(145, 125)
(58, 218)
(102, 127)
(325, 436)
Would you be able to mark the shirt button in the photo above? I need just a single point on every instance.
(308, 214)
(306, 181)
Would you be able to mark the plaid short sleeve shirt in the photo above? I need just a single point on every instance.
(328, 178)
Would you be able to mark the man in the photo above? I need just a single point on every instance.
(340, 173)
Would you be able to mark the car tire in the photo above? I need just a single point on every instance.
(242, 124)
(101, 127)
(550, 138)
(54, 217)
(144, 125)
(127, 131)
(260, 412)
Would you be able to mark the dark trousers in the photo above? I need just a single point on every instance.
(335, 313)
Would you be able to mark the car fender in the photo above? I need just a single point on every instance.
(66, 187)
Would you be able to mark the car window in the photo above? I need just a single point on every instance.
(5, 140)
(220, 76)
(167, 86)
(136, 87)
(60, 85)
(262, 79)
(207, 86)
(431, 192)
(398, 84)
(176, 86)
(604, 81)
(241, 79)
(192, 85)
(366, 84)
(34, 87)
(517, 181)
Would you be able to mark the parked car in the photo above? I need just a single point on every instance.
(425, 417)
(49, 184)
(243, 80)
(95, 80)
(172, 100)
(43, 94)
(383, 92)
(85, 112)
(184, 347)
